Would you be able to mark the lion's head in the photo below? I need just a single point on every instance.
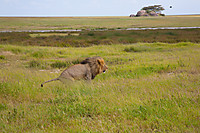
(96, 64)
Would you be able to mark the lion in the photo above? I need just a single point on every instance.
(88, 69)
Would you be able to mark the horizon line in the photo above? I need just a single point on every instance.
(32, 16)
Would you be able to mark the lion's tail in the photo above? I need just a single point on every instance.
(49, 81)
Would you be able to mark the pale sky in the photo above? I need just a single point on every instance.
(93, 7)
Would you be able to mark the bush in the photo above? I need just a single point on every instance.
(90, 34)
(162, 14)
(76, 62)
(135, 49)
(59, 64)
(34, 64)
(2, 57)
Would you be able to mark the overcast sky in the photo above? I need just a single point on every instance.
(93, 7)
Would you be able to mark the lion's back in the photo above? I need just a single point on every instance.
(78, 71)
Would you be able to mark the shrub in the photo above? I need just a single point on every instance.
(162, 14)
(75, 61)
(59, 64)
(90, 34)
(170, 33)
(34, 64)
(2, 57)
(135, 49)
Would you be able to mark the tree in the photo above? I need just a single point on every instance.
(155, 8)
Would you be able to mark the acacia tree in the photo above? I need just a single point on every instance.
(155, 8)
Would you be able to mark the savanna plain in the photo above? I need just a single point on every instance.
(150, 86)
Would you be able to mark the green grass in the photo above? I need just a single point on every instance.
(35, 23)
(151, 90)
(90, 38)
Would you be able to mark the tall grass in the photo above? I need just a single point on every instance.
(154, 90)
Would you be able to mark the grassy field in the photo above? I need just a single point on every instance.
(90, 38)
(149, 87)
(152, 84)
(33, 23)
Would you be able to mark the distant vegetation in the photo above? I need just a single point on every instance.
(89, 38)
(154, 10)
(56, 23)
